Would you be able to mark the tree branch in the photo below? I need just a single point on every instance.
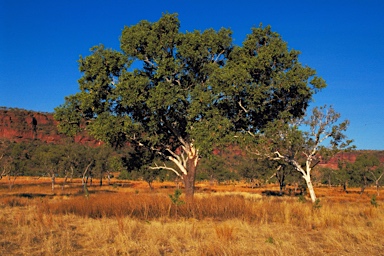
(174, 154)
(245, 110)
(166, 168)
(146, 60)
(174, 131)
(218, 56)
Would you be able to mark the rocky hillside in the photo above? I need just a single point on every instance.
(23, 125)
(350, 157)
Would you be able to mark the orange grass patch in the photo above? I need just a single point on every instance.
(221, 223)
(42, 186)
(127, 218)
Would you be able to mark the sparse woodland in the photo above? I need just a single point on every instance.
(206, 148)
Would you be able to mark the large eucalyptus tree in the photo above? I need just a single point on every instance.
(181, 94)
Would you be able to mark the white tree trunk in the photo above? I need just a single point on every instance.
(310, 187)
(186, 163)
(306, 174)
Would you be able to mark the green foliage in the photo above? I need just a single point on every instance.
(125, 175)
(16, 158)
(359, 171)
(316, 205)
(115, 163)
(193, 89)
(301, 142)
(374, 201)
(48, 158)
(270, 240)
(68, 160)
(302, 199)
(323, 124)
(138, 163)
(318, 134)
(175, 198)
(329, 176)
(251, 169)
(256, 170)
(68, 117)
(216, 168)
(367, 162)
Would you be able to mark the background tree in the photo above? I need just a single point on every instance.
(189, 91)
(16, 158)
(303, 148)
(116, 165)
(5, 164)
(283, 172)
(49, 157)
(254, 171)
(215, 168)
(140, 161)
(102, 164)
(4, 158)
(377, 175)
(71, 160)
(87, 164)
(328, 176)
(363, 168)
(343, 174)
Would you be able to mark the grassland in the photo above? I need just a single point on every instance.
(130, 219)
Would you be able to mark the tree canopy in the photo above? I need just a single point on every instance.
(182, 94)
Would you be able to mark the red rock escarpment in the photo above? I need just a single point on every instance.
(20, 125)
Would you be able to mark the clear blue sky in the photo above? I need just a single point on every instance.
(41, 40)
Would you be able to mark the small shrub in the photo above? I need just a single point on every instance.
(374, 201)
(124, 175)
(175, 198)
(302, 199)
(270, 240)
(316, 204)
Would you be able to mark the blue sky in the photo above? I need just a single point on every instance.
(41, 41)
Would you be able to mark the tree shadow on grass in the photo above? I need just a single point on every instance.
(278, 193)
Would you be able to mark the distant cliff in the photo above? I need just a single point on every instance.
(350, 157)
(19, 125)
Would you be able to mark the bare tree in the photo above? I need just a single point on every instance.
(377, 174)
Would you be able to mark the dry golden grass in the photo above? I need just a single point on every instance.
(234, 220)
